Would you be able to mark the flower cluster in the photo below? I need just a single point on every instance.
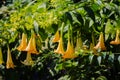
(30, 48)
(70, 51)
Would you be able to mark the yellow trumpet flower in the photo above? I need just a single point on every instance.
(28, 61)
(23, 43)
(100, 44)
(1, 56)
(70, 52)
(31, 47)
(56, 37)
(117, 39)
(9, 63)
(60, 49)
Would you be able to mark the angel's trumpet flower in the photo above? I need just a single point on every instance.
(1, 56)
(23, 43)
(31, 47)
(93, 49)
(28, 61)
(9, 63)
(70, 52)
(78, 43)
(56, 37)
(60, 49)
(100, 44)
(117, 39)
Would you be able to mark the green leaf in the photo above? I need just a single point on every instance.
(108, 29)
(111, 57)
(101, 78)
(91, 23)
(75, 63)
(104, 55)
(90, 13)
(78, 17)
(58, 67)
(66, 77)
(13, 37)
(99, 58)
(68, 16)
(36, 26)
(91, 58)
(119, 59)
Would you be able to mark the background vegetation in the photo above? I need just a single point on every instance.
(84, 19)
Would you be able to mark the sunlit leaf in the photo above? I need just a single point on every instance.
(91, 58)
(99, 58)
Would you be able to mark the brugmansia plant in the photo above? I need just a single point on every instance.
(60, 40)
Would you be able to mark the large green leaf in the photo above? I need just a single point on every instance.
(90, 12)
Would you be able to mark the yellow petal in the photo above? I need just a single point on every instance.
(100, 44)
(56, 37)
(31, 47)
(60, 49)
(117, 39)
(1, 56)
(9, 63)
(28, 61)
(23, 43)
(70, 52)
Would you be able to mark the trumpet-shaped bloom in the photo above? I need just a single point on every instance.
(28, 61)
(70, 52)
(100, 44)
(31, 47)
(117, 39)
(56, 37)
(1, 56)
(23, 43)
(60, 49)
(78, 44)
(9, 63)
(93, 49)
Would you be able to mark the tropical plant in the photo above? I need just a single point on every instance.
(55, 40)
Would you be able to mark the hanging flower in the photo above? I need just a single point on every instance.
(117, 40)
(60, 49)
(31, 47)
(70, 52)
(100, 44)
(28, 61)
(93, 49)
(23, 43)
(9, 63)
(78, 44)
(56, 37)
(1, 56)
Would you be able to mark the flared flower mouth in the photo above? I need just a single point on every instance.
(28, 61)
(117, 39)
(60, 49)
(56, 37)
(100, 45)
(31, 47)
(23, 43)
(70, 52)
(9, 63)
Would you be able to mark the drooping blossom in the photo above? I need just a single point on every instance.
(100, 45)
(23, 43)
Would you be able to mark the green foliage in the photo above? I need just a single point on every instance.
(85, 17)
